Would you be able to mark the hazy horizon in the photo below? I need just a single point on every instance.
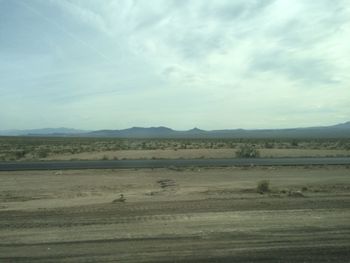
(175, 129)
(248, 64)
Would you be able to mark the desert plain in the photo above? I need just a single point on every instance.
(176, 215)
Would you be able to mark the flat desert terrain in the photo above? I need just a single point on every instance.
(194, 154)
(176, 215)
(56, 148)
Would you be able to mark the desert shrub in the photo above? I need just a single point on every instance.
(247, 151)
(294, 143)
(263, 186)
(42, 153)
(19, 154)
(304, 188)
(269, 145)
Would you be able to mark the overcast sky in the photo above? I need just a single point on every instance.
(114, 64)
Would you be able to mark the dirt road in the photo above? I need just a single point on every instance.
(164, 163)
(191, 215)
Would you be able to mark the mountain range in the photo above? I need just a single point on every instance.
(335, 131)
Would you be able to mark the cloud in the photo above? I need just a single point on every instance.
(235, 10)
(311, 70)
(82, 14)
(211, 64)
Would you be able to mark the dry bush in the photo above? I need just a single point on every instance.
(263, 187)
(247, 151)
(42, 153)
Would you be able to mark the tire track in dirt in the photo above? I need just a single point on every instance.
(144, 212)
(184, 249)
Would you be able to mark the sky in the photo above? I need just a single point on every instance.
(113, 64)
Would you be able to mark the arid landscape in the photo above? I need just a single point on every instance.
(302, 214)
(174, 131)
(58, 148)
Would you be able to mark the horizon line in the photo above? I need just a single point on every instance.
(162, 126)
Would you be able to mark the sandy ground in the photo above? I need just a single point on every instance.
(195, 153)
(189, 215)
